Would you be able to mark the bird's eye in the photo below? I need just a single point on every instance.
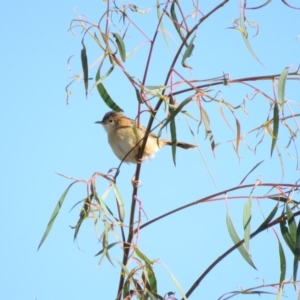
(110, 120)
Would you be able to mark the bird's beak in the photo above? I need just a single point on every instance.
(99, 122)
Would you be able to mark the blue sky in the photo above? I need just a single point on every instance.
(42, 135)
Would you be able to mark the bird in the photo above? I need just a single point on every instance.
(125, 138)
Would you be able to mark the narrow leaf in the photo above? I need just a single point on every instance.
(161, 23)
(105, 96)
(54, 214)
(243, 30)
(208, 131)
(246, 222)
(275, 126)
(236, 240)
(108, 247)
(119, 200)
(188, 52)
(180, 289)
(173, 131)
(175, 112)
(138, 95)
(238, 135)
(175, 21)
(268, 219)
(291, 222)
(152, 279)
(85, 69)
(286, 235)
(280, 199)
(281, 85)
(282, 262)
(279, 295)
(142, 256)
(121, 46)
(251, 171)
(297, 253)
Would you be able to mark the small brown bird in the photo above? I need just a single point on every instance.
(124, 135)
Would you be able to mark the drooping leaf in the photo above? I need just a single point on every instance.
(138, 95)
(161, 23)
(173, 130)
(297, 253)
(142, 256)
(281, 86)
(236, 240)
(282, 262)
(176, 282)
(55, 213)
(119, 200)
(175, 21)
(275, 126)
(105, 96)
(121, 46)
(291, 222)
(208, 131)
(242, 28)
(286, 234)
(188, 52)
(251, 171)
(85, 69)
(268, 219)
(150, 279)
(238, 135)
(108, 247)
(105, 244)
(175, 112)
(246, 222)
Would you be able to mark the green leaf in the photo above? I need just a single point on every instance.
(142, 256)
(138, 95)
(208, 131)
(268, 219)
(188, 52)
(282, 261)
(85, 69)
(251, 171)
(176, 282)
(275, 126)
(54, 214)
(104, 94)
(126, 288)
(173, 130)
(246, 222)
(175, 112)
(175, 21)
(238, 135)
(151, 279)
(108, 247)
(281, 85)
(121, 46)
(286, 235)
(236, 240)
(297, 253)
(279, 295)
(119, 200)
(161, 23)
(280, 199)
(243, 30)
(157, 88)
(105, 252)
(291, 222)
